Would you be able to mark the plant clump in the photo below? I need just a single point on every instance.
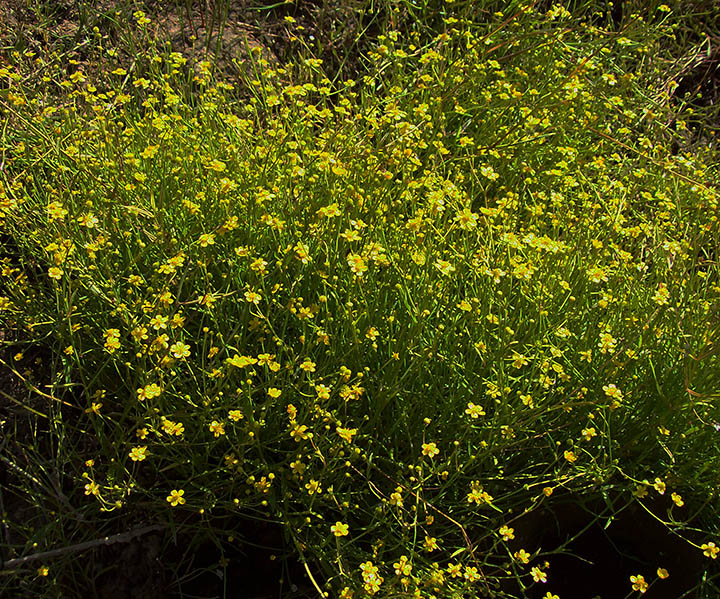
(391, 315)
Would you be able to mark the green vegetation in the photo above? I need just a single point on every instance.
(393, 314)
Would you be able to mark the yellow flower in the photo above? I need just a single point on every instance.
(304, 313)
(94, 408)
(217, 165)
(607, 343)
(139, 333)
(339, 170)
(172, 428)
(519, 360)
(308, 365)
(313, 487)
(489, 172)
(252, 297)
(477, 495)
(56, 211)
(357, 264)
(467, 219)
(241, 361)
(641, 491)
(710, 550)
(596, 274)
(88, 220)
(613, 392)
(588, 433)
(137, 454)
(149, 391)
(430, 543)
(396, 497)
(159, 322)
(329, 211)
(659, 486)
(176, 497)
(235, 415)
(522, 556)
(354, 392)
(259, 265)
(180, 350)
(149, 152)
(677, 499)
(299, 433)
(444, 267)
(302, 253)
(527, 400)
(346, 433)
(638, 583)
(369, 571)
(217, 428)
(274, 393)
(372, 333)
(662, 295)
(140, 18)
(43, 571)
(55, 273)
(339, 529)
(570, 456)
(474, 411)
(507, 532)
(269, 361)
(662, 573)
(403, 567)
(430, 449)
(350, 235)
(323, 392)
(465, 306)
(92, 488)
(112, 340)
(538, 575)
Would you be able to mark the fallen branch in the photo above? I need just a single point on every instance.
(118, 538)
